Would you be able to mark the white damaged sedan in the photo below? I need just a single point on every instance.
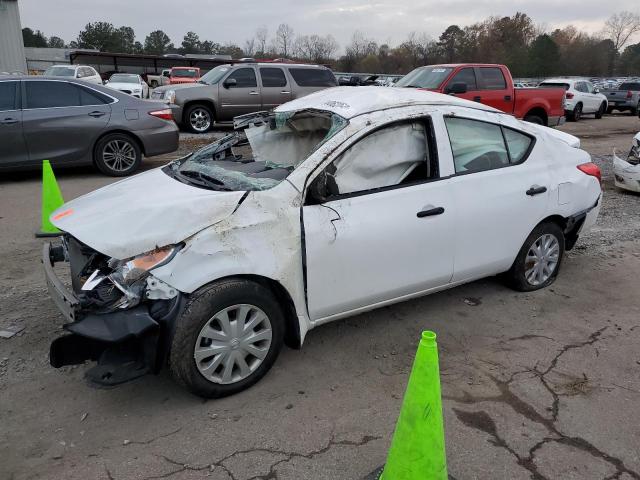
(337, 203)
(626, 173)
(129, 83)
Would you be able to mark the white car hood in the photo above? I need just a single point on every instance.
(141, 213)
(124, 86)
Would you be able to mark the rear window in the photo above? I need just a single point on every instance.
(313, 77)
(187, 73)
(629, 86)
(60, 72)
(492, 78)
(554, 85)
(7, 96)
(273, 77)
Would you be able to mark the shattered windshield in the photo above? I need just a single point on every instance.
(263, 155)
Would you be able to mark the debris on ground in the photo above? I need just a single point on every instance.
(9, 332)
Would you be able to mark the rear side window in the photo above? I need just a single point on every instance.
(91, 97)
(52, 94)
(518, 143)
(273, 77)
(466, 76)
(7, 96)
(313, 77)
(246, 78)
(554, 85)
(629, 86)
(492, 78)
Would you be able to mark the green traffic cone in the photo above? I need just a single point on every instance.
(51, 200)
(417, 449)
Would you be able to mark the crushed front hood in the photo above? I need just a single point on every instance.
(141, 213)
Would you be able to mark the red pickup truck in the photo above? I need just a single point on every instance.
(178, 75)
(491, 85)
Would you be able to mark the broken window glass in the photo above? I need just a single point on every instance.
(275, 145)
(386, 157)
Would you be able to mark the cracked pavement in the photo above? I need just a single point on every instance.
(541, 385)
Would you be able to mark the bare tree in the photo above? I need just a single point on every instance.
(284, 39)
(250, 47)
(261, 38)
(620, 27)
(315, 48)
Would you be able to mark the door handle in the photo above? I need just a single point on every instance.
(284, 92)
(431, 212)
(96, 114)
(535, 190)
(477, 99)
(254, 93)
(9, 121)
(507, 98)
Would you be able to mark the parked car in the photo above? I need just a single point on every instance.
(626, 173)
(491, 85)
(230, 90)
(180, 75)
(581, 97)
(81, 72)
(70, 122)
(347, 200)
(159, 80)
(129, 83)
(625, 98)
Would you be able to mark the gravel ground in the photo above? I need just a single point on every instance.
(542, 385)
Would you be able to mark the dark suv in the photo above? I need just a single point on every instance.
(231, 90)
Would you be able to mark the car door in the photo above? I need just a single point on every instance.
(377, 222)
(499, 191)
(583, 97)
(62, 120)
(275, 87)
(467, 76)
(239, 94)
(594, 97)
(13, 146)
(495, 91)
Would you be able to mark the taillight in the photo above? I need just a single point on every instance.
(163, 114)
(569, 95)
(591, 169)
(629, 94)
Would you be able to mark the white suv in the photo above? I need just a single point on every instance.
(81, 72)
(581, 97)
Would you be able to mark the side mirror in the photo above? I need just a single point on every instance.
(596, 90)
(165, 74)
(230, 82)
(105, 82)
(457, 88)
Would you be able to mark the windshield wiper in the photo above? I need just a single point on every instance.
(204, 179)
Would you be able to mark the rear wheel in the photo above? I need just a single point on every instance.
(576, 114)
(636, 109)
(601, 110)
(227, 339)
(539, 259)
(117, 155)
(534, 119)
(609, 110)
(199, 118)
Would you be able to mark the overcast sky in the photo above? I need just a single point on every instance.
(236, 20)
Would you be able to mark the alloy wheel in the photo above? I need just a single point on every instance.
(119, 155)
(233, 344)
(200, 120)
(542, 259)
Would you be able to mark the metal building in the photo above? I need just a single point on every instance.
(12, 57)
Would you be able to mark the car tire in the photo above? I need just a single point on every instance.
(539, 259)
(576, 114)
(609, 111)
(534, 119)
(635, 110)
(199, 118)
(206, 376)
(601, 110)
(117, 155)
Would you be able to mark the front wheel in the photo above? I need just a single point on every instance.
(199, 118)
(601, 110)
(227, 339)
(117, 155)
(539, 259)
